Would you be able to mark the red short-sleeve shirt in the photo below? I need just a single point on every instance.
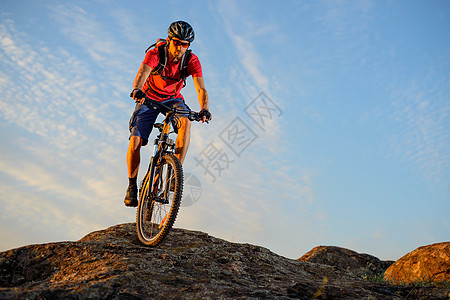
(173, 84)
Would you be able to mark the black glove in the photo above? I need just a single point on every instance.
(205, 113)
(137, 94)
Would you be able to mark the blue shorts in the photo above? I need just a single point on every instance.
(143, 118)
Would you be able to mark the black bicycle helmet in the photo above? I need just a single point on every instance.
(182, 31)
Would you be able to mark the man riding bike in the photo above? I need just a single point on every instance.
(161, 77)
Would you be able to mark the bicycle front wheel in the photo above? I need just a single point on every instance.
(159, 200)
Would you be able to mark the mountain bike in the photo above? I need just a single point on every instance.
(162, 187)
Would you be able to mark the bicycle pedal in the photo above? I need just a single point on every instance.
(162, 200)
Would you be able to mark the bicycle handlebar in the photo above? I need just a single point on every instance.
(192, 115)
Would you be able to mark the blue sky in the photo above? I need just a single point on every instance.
(354, 153)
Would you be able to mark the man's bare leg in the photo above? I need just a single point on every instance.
(134, 156)
(133, 160)
(183, 139)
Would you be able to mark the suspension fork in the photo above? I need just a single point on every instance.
(159, 148)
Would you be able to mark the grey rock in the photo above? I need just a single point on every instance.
(112, 264)
(360, 264)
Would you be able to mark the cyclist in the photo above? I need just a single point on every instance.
(164, 85)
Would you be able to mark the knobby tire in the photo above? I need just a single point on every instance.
(158, 207)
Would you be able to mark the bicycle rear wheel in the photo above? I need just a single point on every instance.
(159, 200)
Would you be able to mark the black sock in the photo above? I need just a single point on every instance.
(132, 181)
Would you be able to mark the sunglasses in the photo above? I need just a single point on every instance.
(180, 43)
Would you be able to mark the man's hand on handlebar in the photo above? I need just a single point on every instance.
(138, 95)
(204, 115)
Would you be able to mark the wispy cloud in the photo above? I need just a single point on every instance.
(413, 107)
(82, 28)
(258, 194)
(243, 33)
(416, 126)
(66, 141)
(108, 45)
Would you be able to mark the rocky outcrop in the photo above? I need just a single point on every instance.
(427, 263)
(361, 265)
(112, 264)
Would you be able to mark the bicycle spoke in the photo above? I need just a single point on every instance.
(163, 221)
(157, 209)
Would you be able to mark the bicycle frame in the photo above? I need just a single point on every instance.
(162, 141)
(162, 187)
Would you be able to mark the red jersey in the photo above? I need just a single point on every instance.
(173, 84)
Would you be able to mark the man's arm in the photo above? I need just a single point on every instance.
(201, 92)
(141, 77)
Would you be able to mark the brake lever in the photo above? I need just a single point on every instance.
(148, 102)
